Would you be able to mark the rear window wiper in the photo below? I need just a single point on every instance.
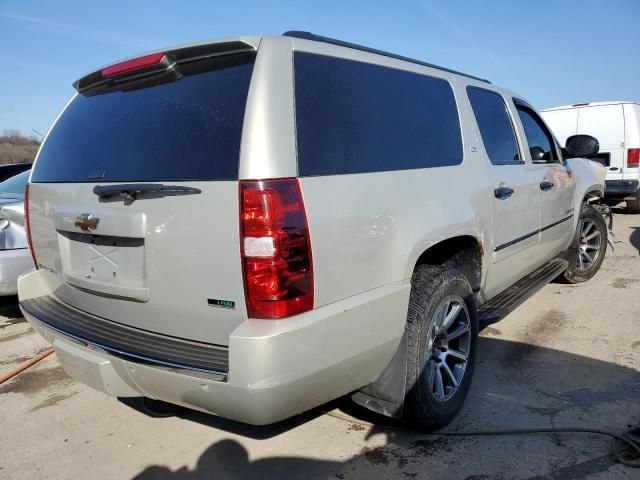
(130, 191)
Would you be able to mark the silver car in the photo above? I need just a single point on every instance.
(15, 258)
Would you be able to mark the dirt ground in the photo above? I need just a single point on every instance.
(569, 356)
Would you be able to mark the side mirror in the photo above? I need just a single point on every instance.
(581, 146)
(537, 154)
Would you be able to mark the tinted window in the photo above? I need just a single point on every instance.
(355, 117)
(184, 127)
(495, 125)
(14, 187)
(541, 142)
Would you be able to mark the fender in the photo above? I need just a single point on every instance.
(589, 177)
(475, 230)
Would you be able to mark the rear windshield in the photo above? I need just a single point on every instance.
(184, 125)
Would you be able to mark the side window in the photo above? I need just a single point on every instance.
(541, 142)
(355, 117)
(495, 126)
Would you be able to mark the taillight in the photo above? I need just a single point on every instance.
(139, 63)
(633, 157)
(276, 248)
(27, 225)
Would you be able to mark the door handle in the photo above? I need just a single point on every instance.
(502, 193)
(545, 186)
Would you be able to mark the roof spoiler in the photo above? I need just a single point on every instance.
(158, 62)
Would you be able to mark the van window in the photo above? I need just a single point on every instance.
(541, 142)
(495, 126)
(355, 117)
(184, 127)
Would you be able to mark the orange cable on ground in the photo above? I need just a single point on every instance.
(26, 365)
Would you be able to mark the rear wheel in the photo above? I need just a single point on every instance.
(442, 328)
(590, 245)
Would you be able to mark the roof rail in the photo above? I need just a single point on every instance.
(355, 46)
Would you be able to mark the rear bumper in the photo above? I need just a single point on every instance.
(276, 369)
(620, 188)
(13, 263)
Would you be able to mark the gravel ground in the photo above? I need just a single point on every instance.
(569, 356)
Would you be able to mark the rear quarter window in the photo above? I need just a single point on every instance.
(355, 117)
(186, 127)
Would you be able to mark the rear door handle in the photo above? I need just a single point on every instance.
(545, 186)
(502, 193)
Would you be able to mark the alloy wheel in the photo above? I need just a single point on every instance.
(589, 244)
(448, 348)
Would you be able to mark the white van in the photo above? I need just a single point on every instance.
(616, 125)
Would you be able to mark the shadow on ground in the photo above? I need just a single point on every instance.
(517, 385)
(9, 308)
(634, 238)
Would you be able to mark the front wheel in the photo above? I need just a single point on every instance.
(590, 245)
(442, 330)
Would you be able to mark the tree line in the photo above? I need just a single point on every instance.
(16, 148)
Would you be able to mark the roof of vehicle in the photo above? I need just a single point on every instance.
(589, 104)
(252, 42)
(16, 165)
(355, 46)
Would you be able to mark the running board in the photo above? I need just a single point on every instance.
(506, 302)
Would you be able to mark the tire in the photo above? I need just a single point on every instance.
(580, 270)
(633, 206)
(429, 403)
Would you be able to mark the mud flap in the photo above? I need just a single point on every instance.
(386, 394)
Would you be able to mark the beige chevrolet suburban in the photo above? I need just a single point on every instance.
(254, 226)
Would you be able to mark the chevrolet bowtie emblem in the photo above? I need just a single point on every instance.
(86, 222)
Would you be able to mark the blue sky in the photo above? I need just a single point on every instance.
(551, 52)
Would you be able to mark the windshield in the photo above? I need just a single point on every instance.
(14, 187)
(187, 128)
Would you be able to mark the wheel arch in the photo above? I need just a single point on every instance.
(589, 177)
(465, 252)
(594, 193)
